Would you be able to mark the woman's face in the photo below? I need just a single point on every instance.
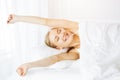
(60, 37)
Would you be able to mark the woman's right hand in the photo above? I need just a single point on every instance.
(22, 69)
(12, 19)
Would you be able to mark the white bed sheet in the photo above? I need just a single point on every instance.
(100, 52)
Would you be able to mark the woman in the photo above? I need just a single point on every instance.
(63, 34)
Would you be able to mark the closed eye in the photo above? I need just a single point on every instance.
(56, 38)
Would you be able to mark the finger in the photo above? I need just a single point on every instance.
(23, 74)
(8, 21)
(20, 71)
(11, 16)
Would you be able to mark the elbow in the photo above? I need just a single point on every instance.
(77, 56)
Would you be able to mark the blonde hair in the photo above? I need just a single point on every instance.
(47, 41)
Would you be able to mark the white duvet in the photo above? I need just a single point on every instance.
(100, 52)
(104, 42)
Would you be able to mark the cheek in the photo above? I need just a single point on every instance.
(69, 40)
(61, 43)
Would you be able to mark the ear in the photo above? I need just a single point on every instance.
(59, 48)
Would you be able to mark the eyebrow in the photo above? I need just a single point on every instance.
(57, 30)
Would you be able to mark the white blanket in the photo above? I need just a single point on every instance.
(104, 42)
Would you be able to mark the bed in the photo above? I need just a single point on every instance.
(100, 52)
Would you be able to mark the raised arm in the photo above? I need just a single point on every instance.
(29, 19)
(44, 21)
(72, 55)
(73, 26)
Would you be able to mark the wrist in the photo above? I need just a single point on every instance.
(17, 18)
(28, 65)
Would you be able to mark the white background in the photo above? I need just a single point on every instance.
(85, 9)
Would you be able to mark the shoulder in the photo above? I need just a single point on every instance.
(73, 49)
(74, 53)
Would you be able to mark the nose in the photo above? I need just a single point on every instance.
(62, 35)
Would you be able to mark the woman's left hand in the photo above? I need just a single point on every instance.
(22, 69)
